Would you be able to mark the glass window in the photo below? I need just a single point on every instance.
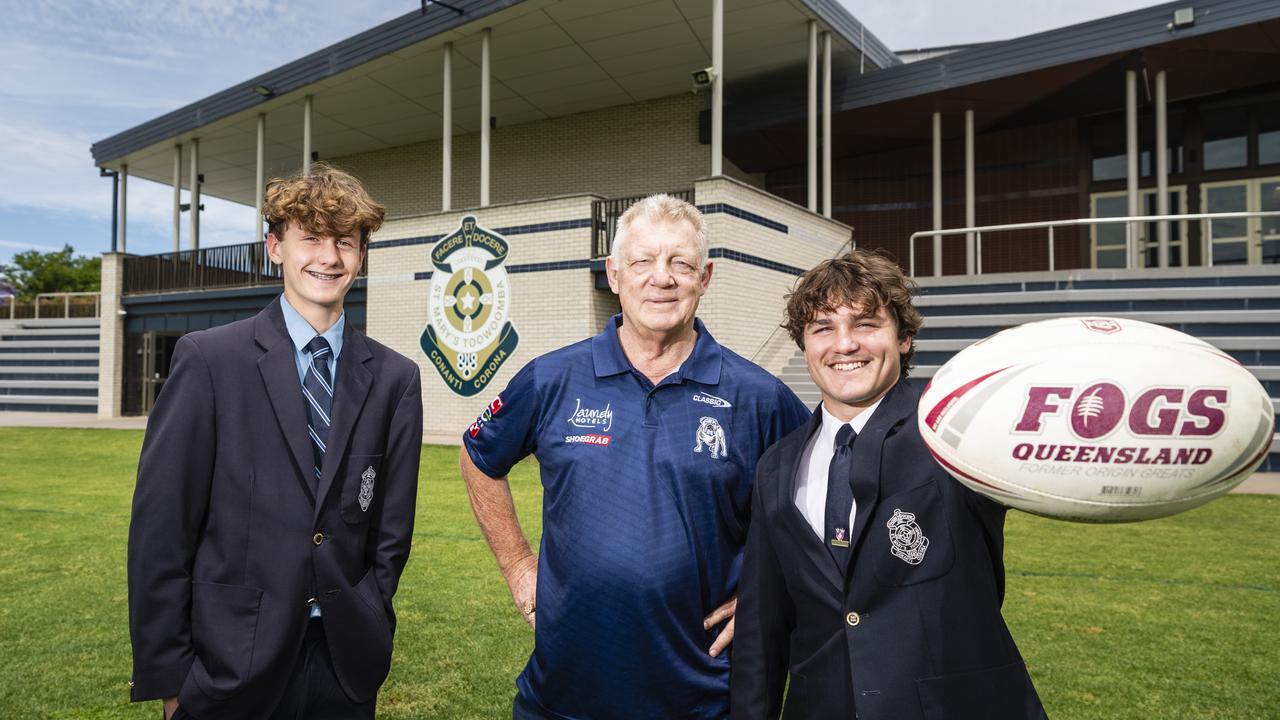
(1230, 253)
(1223, 199)
(1112, 167)
(1111, 258)
(1269, 147)
(1111, 233)
(1226, 138)
(1268, 133)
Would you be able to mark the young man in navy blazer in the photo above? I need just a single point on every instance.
(276, 489)
(871, 578)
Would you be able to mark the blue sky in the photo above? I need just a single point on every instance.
(78, 72)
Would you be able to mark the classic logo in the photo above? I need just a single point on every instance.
(710, 434)
(486, 416)
(592, 417)
(468, 336)
(1106, 326)
(366, 488)
(908, 541)
(711, 400)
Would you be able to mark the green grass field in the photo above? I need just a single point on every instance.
(1176, 618)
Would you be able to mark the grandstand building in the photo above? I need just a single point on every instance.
(522, 128)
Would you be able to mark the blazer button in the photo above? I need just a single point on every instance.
(317, 538)
(853, 619)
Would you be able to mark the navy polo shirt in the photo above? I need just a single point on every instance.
(646, 496)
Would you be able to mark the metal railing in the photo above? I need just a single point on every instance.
(52, 306)
(1128, 221)
(212, 268)
(605, 214)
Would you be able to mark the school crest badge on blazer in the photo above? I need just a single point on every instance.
(366, 488)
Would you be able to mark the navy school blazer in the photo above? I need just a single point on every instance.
(232, 534)
(911, 630)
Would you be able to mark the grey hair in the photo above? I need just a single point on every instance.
(661, 208)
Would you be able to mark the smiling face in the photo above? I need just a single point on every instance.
(657, 278)
(854, 357)
(318, 270)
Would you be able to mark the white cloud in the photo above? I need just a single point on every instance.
(27, 245)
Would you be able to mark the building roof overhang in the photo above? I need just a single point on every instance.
(1069, 72)
(382, 88)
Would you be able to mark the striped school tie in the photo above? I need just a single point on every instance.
(317, 388)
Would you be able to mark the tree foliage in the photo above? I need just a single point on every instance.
(34, 272)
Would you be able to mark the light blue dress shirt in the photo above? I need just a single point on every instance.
(301, 333)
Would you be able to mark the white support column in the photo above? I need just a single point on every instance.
(446, 133)
(970, 202)
(1132, 252)
(111, 337)
(937, 193)
(259, 177)
(177, 197)
(717, 87)
(826, 124)
(1162, 165)
(306, 135)
(484, 117)
(813, 116)
(124, 207)
(195, 194)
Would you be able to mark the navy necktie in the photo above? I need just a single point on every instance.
(840, 497)
(317, 388)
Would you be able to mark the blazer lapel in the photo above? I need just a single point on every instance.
(351, 389)
(279, 371)
(813, 547)
(897, 406)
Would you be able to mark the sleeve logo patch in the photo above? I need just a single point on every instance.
(485, 416)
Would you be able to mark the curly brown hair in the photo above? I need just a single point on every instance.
(325, 200)
(868, 280)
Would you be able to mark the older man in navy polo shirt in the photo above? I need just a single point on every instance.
(647, 436)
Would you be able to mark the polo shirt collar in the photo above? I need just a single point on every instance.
(702, 365)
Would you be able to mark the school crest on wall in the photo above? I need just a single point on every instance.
(468, 335)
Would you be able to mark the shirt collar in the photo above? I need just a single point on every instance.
(301, 332)
(832, 424)
(702, 365)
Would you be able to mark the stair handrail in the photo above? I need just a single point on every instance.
(66, 304)
(1129, 222)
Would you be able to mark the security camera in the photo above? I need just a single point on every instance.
(703, 78)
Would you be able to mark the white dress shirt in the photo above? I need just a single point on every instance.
(815, 462)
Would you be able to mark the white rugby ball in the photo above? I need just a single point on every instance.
(1096, 419)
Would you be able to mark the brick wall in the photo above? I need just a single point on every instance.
(762, 241)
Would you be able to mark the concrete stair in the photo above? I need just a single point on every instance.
(1237, 310)
(49, 365)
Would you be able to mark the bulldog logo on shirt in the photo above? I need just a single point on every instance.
(711, 435)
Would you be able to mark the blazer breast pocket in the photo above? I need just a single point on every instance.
(361, 487)
(910, 538)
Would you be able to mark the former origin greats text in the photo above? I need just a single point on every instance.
(1102, 408)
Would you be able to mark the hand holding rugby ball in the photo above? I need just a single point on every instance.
(1096, 419)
